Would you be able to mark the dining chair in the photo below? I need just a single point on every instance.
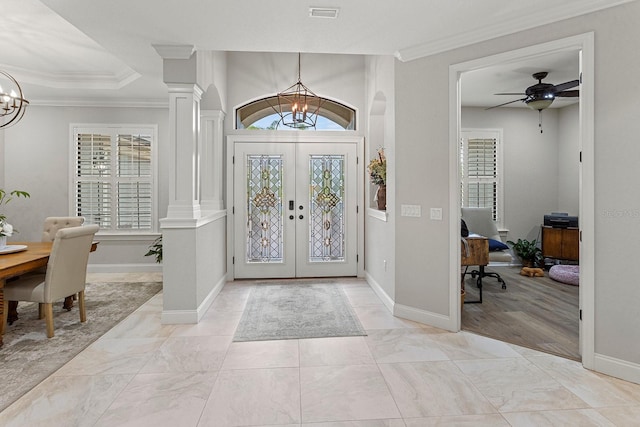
(54, 223)
(51, 226)
(65, 275)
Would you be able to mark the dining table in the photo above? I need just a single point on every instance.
(28, 257)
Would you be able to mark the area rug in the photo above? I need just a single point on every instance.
(28, 356)
(297, 310)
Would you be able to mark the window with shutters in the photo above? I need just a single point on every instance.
(114, 177)
(481, 171)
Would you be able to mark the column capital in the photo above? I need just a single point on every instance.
(174, 51)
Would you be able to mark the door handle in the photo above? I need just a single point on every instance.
(291, 205)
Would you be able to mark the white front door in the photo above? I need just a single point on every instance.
(295, 210)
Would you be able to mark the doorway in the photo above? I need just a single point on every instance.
(585, 45)
(295, 209)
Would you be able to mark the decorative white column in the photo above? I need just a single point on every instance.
(211, 137)
(184, 111)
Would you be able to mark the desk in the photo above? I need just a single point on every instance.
(474, 252)
(15, 264)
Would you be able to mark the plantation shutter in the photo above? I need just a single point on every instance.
(113, 181)
(480, 173)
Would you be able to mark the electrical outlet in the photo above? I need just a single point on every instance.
(411, 210)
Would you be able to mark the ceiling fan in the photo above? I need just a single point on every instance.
(541, 95)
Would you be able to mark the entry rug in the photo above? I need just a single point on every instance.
(297, 310)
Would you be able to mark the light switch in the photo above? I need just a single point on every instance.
(436, 214)
(411, 210)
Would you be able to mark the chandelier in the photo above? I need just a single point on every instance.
(12, 103)
(298, 106)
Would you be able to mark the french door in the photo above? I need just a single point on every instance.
(295, 210)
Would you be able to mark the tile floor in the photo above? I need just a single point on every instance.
(402, 374)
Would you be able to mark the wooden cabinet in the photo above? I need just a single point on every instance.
(561, 243)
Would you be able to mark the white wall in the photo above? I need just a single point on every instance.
(256, 75)
(36, 159)
(380, 233)
(422, 135)
(569, 160)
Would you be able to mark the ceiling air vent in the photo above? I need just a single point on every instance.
(323, 12)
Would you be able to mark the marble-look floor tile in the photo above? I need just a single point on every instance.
(335, 351)
(424, 389)
(403, 345)
(489, 420)
(253, 397)
(65, 401)
(518, 385)
(188, 354)
(153, 400)
(153, 305)
(359, 297)
(464, 345)
(212, 323)
(334, 393)
(379, 317)
(364, 423)
(622, 416)
(112, 356)
(572, 417)
(262, 354)
(596, 389)
(141, 325)
(229, 301)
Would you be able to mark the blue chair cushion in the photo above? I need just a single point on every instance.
(496, 245)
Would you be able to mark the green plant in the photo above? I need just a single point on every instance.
(6, 229)
(527, 251)
(155, 249)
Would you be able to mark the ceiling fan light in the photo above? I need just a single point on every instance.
(539, 104)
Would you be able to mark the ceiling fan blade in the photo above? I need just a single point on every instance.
(568, 94)
(506, 103)
(567, 85)
(509, 93)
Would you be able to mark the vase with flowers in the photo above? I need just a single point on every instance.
(6, 229)
(378, 174)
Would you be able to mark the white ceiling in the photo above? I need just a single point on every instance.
(86, 51)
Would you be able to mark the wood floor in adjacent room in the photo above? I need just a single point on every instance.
(534, 312)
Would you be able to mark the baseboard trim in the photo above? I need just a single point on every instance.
(386, 299)
(181, 317)
(618, 368)
(124, 268)
(423, 316)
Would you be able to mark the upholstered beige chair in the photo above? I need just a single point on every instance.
(54, 223)
(66, 274)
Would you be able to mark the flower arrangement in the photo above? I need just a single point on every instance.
(378, 169)
(6, 229)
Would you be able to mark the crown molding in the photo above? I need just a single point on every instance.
(524, 22)
(97, 103)
(105, 81)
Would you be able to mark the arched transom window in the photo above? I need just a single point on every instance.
(261, 114)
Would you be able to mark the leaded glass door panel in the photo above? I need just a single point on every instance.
(295, 210)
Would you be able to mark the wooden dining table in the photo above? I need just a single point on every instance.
(33, 258)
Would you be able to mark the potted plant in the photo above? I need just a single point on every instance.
(6, 229)
(155, 249)
(378, 174)
(528, 252)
